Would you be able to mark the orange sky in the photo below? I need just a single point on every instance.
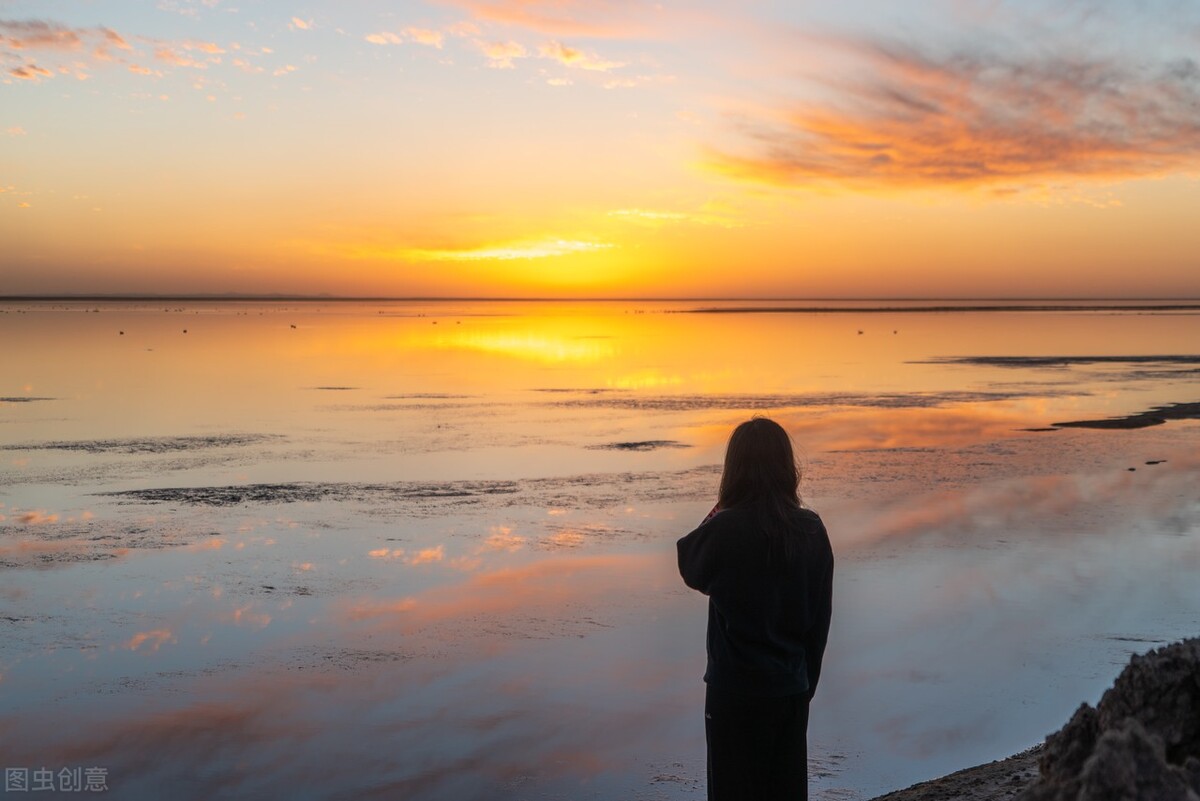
(617, 148)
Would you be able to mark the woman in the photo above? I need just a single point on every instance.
(766, 566)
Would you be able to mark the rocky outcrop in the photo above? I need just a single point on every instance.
(1142, 741)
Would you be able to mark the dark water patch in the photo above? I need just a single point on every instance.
(336, 389)
(313, 492)
(427, 396)
(596, 490)
(24, 400)
(688, 403)
(410, 406)
(1059, 361)
(1154, 417)
(645, 445)
(1043, 428)
(150, 444)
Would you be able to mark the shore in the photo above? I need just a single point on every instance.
(995, 781)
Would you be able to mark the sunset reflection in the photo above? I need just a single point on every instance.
(254, 547)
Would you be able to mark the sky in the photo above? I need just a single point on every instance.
(611, 148)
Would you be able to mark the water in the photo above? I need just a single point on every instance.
(426, 550)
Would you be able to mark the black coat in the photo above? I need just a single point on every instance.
(769, 598)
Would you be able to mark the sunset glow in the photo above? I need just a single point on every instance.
(501, 148)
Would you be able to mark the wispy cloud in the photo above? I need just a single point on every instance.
(424, 36)
(301, 24)
(77, 50)
(174, 57)
(36, 34)
(500, 55)
(912, 117)
(30, 72)
(587, 18)
(540, 249)
(656, 219)
(577, 59)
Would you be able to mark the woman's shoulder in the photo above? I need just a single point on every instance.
(809, 515)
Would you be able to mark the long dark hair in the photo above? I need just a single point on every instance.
(760, 468)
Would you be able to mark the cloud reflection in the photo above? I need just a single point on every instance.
(546, 583)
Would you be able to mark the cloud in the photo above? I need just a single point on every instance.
(501, 54)
(383, 38)
(577, 59)
(30, 72)
(245, 66)
(656, 219)
(212, 48)
(52, 41)
(590, 18)
(39, 35)
(13, 130)
(975, 117)
(540, 249)
(301, 24)
(424, 36)
(19, 38)
(112, 39)
(175, 58)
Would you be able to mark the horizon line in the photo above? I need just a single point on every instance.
(535, 299)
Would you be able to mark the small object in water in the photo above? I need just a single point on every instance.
(1156, 461)
(1132, 469)
(860, 332)
(185, 330)
(293, 325)
(122, 333)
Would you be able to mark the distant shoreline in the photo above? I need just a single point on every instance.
(1047, 307)
(782, 306)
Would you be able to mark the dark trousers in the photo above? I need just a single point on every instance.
(757, 747)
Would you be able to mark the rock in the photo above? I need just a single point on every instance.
(1142, 741)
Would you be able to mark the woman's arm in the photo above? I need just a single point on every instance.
(814, 646)
(697, 557)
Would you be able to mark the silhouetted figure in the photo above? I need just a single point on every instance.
(766, 565)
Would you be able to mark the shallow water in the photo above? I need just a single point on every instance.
(426, 550)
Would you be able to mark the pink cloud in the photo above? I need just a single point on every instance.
(30, 72)
(900, 115)
(589, 18)
(39, 35)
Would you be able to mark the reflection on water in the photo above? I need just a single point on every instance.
(425, 550)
